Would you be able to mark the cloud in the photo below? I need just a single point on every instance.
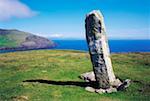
(14, 8)
(55, 35)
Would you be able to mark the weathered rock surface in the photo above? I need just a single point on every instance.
(102, 73)
(33, 41)
(88, 77)
(124, 85)
(98, 49)
(117, 85)
(90, 89)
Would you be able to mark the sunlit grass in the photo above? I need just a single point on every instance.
(60, 65)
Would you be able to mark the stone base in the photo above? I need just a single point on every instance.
(101, 91)
(88, 77)
(117, 85)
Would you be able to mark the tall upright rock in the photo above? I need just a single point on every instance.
(99, 49)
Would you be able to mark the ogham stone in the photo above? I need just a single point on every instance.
(103, 75)
(99, 50)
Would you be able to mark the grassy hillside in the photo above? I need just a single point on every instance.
(15, 39)
(58, 73)
(6, 42)
(12, 38)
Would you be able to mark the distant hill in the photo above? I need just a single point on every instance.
(19, 40)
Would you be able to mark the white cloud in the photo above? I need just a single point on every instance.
(56, 35)
(14, 8)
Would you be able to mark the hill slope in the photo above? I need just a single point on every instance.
(55, 76)
(15, 39)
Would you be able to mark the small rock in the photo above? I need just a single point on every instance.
(116, 83)
(128, 82)
(89, 76)
(90, 89)
(111, 90)
(100, 91)
(124, 85)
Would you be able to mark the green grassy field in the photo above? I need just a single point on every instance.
(55, 74)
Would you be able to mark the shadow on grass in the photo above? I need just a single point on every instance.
(64, 83)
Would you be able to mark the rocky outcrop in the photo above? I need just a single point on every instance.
(36, 42)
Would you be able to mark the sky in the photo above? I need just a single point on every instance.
(124, 19)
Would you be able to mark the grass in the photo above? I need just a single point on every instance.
(58, 67)
(12, 39)
(6, 42)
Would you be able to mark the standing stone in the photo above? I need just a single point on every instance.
(99, 50)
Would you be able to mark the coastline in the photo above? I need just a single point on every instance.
(116, 46)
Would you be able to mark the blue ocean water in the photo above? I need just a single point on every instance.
(115, 45)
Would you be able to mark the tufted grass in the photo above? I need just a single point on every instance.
(56, 68)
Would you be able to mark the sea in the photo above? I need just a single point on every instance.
(116, 46)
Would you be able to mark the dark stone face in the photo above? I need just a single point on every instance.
(93, 25)
(93, 36)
